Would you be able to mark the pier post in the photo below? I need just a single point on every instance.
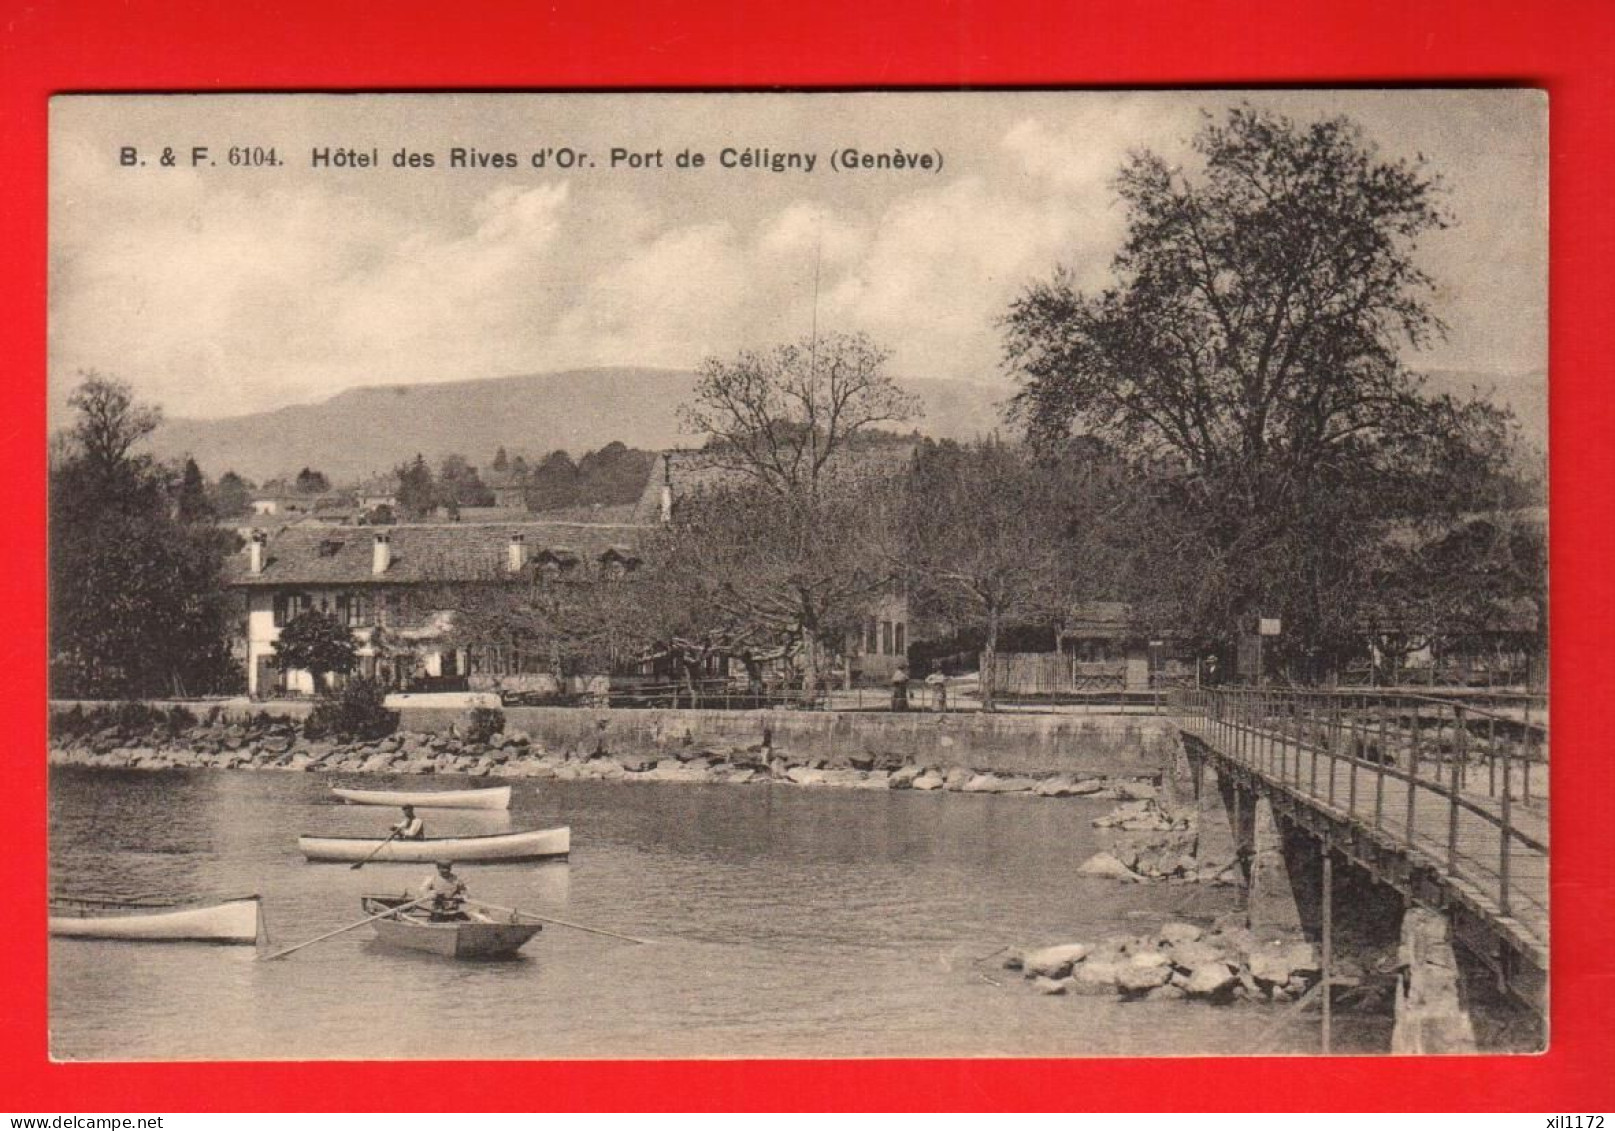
(1431, 1015)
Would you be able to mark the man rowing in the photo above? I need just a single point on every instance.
(410, 827)
(446, 891)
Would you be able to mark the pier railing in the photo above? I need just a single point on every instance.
(1463, 786)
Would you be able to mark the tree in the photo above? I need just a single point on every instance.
(137, 600)
(311, 482)
(232, 495)
(192, 504)
(792, 575)
(993, 538)
(501, 461)
(315, 642)
(109, 423)
(1250, 355)
(459, 485)
(782, 416)
(417, 493)
(553, 484)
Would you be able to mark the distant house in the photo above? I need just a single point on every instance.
(380, 583)
(381, 491)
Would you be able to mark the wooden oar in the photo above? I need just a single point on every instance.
(558, 922)
(349, 927)
(378, 848)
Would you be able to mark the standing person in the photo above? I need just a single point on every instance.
(900, 688)
(939, 691)
(409, 827)
(446, 890)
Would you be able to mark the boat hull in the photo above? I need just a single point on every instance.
(237, 922)
(474, 939)
(534, 844)
(498, 798)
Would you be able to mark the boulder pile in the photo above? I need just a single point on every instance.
(1179, 961)
(1153, 841)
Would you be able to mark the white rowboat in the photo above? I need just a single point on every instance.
(233, 921)
(534, 844)
(498, 798)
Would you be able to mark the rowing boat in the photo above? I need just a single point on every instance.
(476, 935)
(497, 798)
(232, 921)
(533, 844)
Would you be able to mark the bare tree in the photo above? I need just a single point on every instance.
(110, 422)
(781, 416)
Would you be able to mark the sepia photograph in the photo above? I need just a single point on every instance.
(924, 574)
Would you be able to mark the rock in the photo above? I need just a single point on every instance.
(1276, 964)
(1057, 786)
(1095, 976)
(1189, 955)
(635, 763)
(1014, 960)
(1050, 985)
(904, 776)
(928, 780)
(846, 779)
(1135, 791)
(802, 775)
(740, 775)
(1147, 958)
(1168, 992)
(875, 779)
(1104, 864)
(518, 738)
(980, 783)
(1211, 979)
(1175, 933)
(1132, 978)
(863, 760)
(1087, 787)
(954, 780)
(1054, 961)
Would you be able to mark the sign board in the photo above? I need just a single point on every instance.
(1269, 626)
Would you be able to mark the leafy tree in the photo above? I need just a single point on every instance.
(311, 482)
(614, 474)
(417, 493)
(1250, 354)
(553, 483)
(501, 461)
(193, 504)
(459, 485)
(315, 642)
(137, 600)
(232, 495)
(781, 416)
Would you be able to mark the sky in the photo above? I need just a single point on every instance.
(216, 290)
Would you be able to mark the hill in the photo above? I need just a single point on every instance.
(366, 430)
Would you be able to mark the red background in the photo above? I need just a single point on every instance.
(1565, 47)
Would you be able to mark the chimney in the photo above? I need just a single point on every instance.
(518, 552)
(383, 554)
(667, 487)
(255, 551)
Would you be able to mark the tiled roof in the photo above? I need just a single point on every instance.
(304, 555)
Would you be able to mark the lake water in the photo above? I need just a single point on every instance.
(783, 922)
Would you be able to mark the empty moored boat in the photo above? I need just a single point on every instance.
(477, 935)
(533, 844)
(230, 921)
(496, 798)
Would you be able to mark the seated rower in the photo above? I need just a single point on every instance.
(447, 893)
(410, 827)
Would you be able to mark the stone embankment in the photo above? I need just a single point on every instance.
(270, 743)
(1218, 965)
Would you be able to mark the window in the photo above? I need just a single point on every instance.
(356, 610)
(288, 606)
(871, 640)
(898, 643)
(885, 638)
